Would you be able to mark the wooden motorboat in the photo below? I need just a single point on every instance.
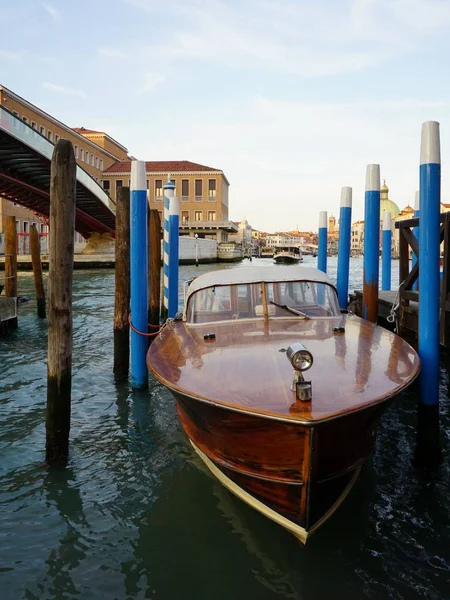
(287, 254)
(278, 392)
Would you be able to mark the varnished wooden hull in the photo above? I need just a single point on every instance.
(295, 474)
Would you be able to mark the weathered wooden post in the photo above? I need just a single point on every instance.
(154, 262)
(122, 286)
(59, 366)
(35, 249)
(428, 450)
(11, 257)
(371, 243)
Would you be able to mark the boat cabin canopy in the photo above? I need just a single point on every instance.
(261, 292)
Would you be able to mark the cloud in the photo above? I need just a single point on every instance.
(52, 11)
(151, 81)
(7, 55)
(109, 52)
(62, 89)
(308, 39)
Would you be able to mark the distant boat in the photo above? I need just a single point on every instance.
(287, 254)
(266, 252)
(278, 392)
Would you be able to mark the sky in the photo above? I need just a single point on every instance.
(292, 99)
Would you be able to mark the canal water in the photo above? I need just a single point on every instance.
(135, 515)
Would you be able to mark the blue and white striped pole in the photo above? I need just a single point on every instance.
(138, 273)
(322, 242)
(416, 233)
(371, 243)
(345, 228)
(386, 252)
(428, 452)
(169, 188)
(174, 233)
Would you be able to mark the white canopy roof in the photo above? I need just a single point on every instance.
(257, 275)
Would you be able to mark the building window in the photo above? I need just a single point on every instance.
(184, 217)
(101, 164)
(198, 215)
(106, 183)
(158, 190)
(81, 154)
(43, 228)
(42, 130)
(76, 151)
(49, 136)
(198, 190)
(17, 225)
(184, 190)
(211, 189)
(97, 162)
(24, 119)
(211, 215)
(56, 138)
(26, 228)
(86, 157)
(33, 125)
(15, 113)
(119, 184)
(92, 160)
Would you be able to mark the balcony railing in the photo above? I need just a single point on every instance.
(184, 198)
(228, 225)
(198, 198)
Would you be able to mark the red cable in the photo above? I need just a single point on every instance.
(140, 332)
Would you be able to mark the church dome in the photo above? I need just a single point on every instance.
(387, 205)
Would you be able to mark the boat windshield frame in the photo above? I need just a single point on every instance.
(267, 308)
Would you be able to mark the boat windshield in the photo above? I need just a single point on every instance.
(256, 301)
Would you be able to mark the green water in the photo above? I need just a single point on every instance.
(135, 515)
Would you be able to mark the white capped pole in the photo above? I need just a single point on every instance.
(138, 273)
(174, 234)
(169, 190)
(322, 242)
(371, 243)
(386, 251)
(345, 228)
(428, 451)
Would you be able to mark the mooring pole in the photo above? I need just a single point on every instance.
(139, 274)
(174, 253)
(169, 188)
(386, 252)
(345, 228)
(196, 249)
(154, 265)
(35, 249)
(371, 243)
(416, 233)
(322, 250)
(59, 364)
(428, 451)
(10, 257)
(122, 286)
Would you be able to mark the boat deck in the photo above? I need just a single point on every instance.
(245, 367)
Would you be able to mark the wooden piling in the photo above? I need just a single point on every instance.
(35, 249)
(59, 366)
(154, 267)
(10, 257)
(122, 286)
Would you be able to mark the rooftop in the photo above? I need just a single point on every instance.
(162, 166)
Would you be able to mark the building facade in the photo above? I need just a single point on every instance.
(202, 193)
(243, 235)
